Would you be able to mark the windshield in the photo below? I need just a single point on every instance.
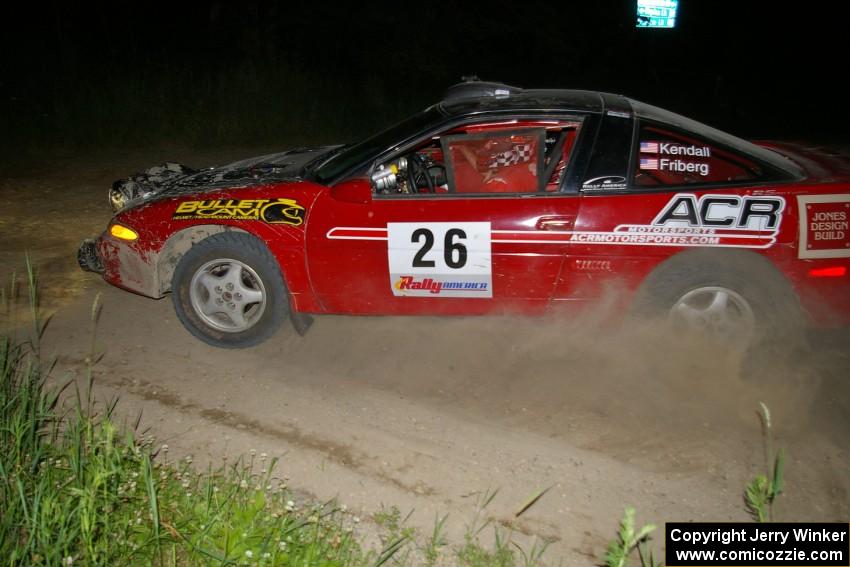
(356, 154)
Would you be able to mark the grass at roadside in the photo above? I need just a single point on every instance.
(759, 496)
(77, 489)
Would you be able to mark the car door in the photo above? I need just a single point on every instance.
(465, 227)
(685, 191)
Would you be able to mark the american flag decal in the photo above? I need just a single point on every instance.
(649, 163)
(649, 147)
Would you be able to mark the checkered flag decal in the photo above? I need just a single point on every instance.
(521, 153)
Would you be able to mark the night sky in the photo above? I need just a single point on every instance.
(215, 72)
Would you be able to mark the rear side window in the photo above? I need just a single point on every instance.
(667, 157)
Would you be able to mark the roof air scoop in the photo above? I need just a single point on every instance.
(472, 87)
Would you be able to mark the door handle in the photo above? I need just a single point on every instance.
(554, 223)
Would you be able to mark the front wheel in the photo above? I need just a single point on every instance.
(228, 291)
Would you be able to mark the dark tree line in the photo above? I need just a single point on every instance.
(265, 71)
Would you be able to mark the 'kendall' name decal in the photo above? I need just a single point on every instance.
(669, 149)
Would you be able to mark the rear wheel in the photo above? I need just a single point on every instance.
(733, 298)
(718, 312)
(228, 291)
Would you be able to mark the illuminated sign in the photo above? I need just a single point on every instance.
(656, 13)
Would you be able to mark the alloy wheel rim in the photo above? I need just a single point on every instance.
(718, 312)
(228, 295)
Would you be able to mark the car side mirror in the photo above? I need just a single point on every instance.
(358, 191)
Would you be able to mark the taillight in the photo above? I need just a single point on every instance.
(828, 272)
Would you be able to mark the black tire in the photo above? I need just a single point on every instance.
(228, 291)
(688, 285)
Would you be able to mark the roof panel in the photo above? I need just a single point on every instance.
(528, 99)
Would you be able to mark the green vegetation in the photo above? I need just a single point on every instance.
(764, 488)
(628, 540)
(77, 489)
(504, 551)
(758, 499)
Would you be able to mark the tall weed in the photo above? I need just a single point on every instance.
(76, 489)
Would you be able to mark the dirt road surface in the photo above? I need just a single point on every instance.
(428, 413)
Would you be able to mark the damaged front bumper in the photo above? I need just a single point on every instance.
(121, 264)
(87, 257)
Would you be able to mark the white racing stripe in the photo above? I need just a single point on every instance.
(623, 235)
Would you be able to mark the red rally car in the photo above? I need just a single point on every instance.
(495, 200)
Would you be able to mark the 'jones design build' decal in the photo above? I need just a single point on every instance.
(824, 226)
(273, 211)
(422, 255)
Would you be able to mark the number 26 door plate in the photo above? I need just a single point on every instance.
(440, 259)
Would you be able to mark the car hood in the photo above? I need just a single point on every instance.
(170, 179)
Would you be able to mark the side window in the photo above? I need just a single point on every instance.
(483, 158)
(420, 171)
(673, 158)
(496, 162)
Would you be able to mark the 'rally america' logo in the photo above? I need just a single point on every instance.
(436, 286)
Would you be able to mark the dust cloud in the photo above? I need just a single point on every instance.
(629, 387)
(626, 388)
